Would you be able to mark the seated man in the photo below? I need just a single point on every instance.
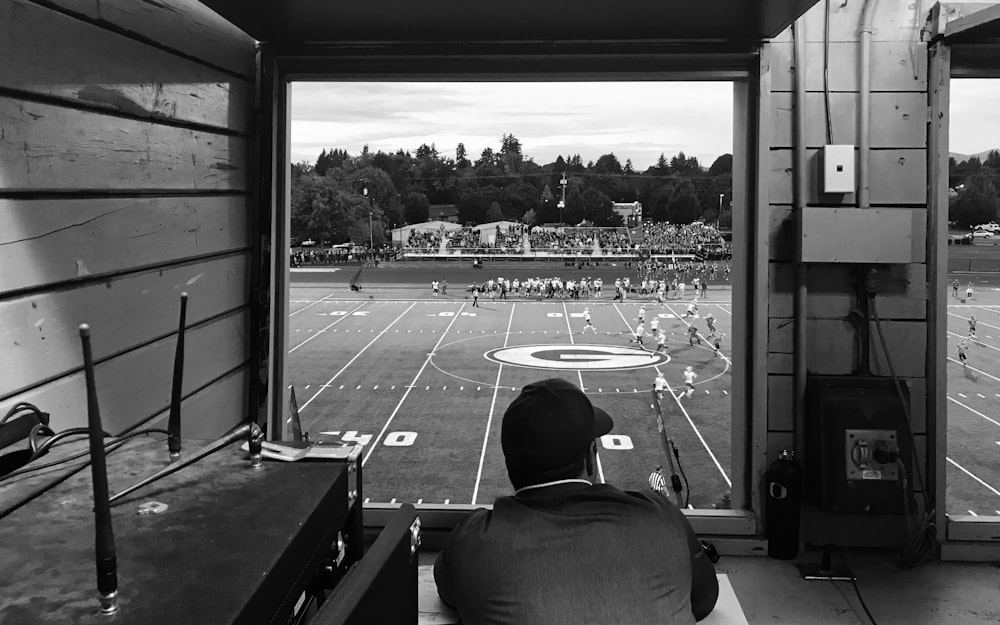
(565, 550)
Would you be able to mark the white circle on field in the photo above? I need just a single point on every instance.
(577, 357)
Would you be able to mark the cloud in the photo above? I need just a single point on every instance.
(634, 120)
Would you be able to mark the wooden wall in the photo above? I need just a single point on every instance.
(898, 182)
(125, 131)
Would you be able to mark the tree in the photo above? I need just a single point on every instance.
(510, 157)
(486, 158)
(976, 203)
(993, 161)
(416, 208)
(629, 170)
(682, 203)
(461, 157)
(529, 218)
(494, 212)
(721, 165)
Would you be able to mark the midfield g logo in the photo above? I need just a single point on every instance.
(574, 357)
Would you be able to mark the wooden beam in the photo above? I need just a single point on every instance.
(52, 148)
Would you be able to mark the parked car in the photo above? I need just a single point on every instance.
(981, 234)
(990, 227)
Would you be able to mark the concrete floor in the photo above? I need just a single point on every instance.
(773, 591)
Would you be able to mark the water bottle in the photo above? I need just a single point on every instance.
(784, 498)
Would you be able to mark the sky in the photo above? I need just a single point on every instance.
(633, 120)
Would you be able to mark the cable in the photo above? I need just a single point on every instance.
(687, 487)
(921, 542)
(857, 590)
(20, 407)
(107, 444)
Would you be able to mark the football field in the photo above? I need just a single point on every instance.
(422, 382)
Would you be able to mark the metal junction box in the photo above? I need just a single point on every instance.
(848, 419)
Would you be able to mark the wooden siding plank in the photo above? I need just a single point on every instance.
(902, 291)
(50, 241)
(902, 119)
(97, 68)
(214, 409)
(47, 147)
(832, 348)
(779, 403)
(186, 26)
(136, 385)
(783, 234)
(898, 177)
(39, 333)
(898, 66)
(896, 20)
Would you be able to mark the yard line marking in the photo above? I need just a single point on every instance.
(723, 308)
(351, 361)
(962, 395)
(579, 373)
(493, 403)
(974, 369)
(993, 421)
(698, 332)
(973, 476)
(982, 323)
(979, 343)
(339, 319)
(688, 417)
(395, 411)
(322, 299)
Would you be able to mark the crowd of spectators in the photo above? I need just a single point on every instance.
(304, 257)
(683, 271)
(696, 238)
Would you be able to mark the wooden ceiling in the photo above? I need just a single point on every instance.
(296, 22)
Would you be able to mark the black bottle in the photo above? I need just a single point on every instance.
(784, 499)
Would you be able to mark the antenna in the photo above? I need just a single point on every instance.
(174, 420)
(104, 535)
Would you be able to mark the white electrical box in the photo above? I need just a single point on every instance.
(838, 169)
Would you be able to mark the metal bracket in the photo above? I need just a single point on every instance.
(414, 536)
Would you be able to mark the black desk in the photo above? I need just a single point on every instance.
(235, 544)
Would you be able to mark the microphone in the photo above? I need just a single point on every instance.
(174, 420)
(251, 431)
(104, 535)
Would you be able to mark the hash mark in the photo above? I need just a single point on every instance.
(973, 513)
(359, 388)
(961, 394)
(981, 395)
(420, 501)
(341, 387)
(367, 499)
(447, 501)
(375, 387)
(393, 500)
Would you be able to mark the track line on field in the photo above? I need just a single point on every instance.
(978, 321)
(411, 385)
(694, 427)
(320, 300)
(973, 476)
(341, 318)
(974, 369)
(323, 387)
(493, 404)
(579, 373)
(993, 421)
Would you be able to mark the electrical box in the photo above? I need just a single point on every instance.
(849, 418)
(838, 169)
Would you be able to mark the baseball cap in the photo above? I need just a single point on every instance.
(547, 431)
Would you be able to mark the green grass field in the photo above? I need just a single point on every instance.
(416, 380)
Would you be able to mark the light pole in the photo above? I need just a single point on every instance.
(718, 218)
(562, 202)
(371, 233)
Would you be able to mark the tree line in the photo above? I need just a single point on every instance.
(972, 190)
(340, 196)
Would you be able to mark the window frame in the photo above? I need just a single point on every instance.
(742, 64)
